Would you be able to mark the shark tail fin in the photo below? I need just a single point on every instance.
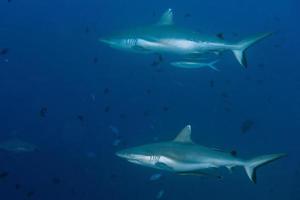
(253, 164)
(240, 48)
(212, 65)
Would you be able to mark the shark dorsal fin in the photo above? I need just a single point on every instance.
(166, 19)
(184, 135)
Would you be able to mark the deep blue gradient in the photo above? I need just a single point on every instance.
(51, 63)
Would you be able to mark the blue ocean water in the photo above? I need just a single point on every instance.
(80, 101)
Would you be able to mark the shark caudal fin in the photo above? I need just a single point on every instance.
(253, 164)
(240, 48)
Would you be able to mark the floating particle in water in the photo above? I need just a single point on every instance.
(30, 194)
(155, 177)
(160, 194)
(212, 83)
(107, 109)
(56, 180)
(43, 111)
(3, 175)
(247, 126)
(106, 91)
(17, 186)
(220, 36)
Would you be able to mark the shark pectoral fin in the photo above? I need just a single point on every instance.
(163, 166)
(199, 173)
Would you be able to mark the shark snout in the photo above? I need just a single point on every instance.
(105, 40)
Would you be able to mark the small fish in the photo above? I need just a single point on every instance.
(165, 108)
(160, 194)
(3, 175)
(87, 29)
(43, 111)
(220, 36)
(116, 142)
(30, 194)
(81, 118)
(187, 15)
(195, 65)
(155, 177)
(211, 83)
(93, 96)
(56, 180)
(95, 60)
(17, 186)
(148, 91)
(114, 129)
(123, 116)
(106, 91)
(107, 109)
(91, 154)
(4, 51)
(247, 126)
(17, 146)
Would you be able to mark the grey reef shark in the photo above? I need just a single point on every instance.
(184, 157)
(165, 37)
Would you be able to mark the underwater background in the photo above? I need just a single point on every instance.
(79, 101)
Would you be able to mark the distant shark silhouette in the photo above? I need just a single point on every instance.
(165, 37)
(184, 157)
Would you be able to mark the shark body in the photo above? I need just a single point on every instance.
(165, 37)
(183, 156)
